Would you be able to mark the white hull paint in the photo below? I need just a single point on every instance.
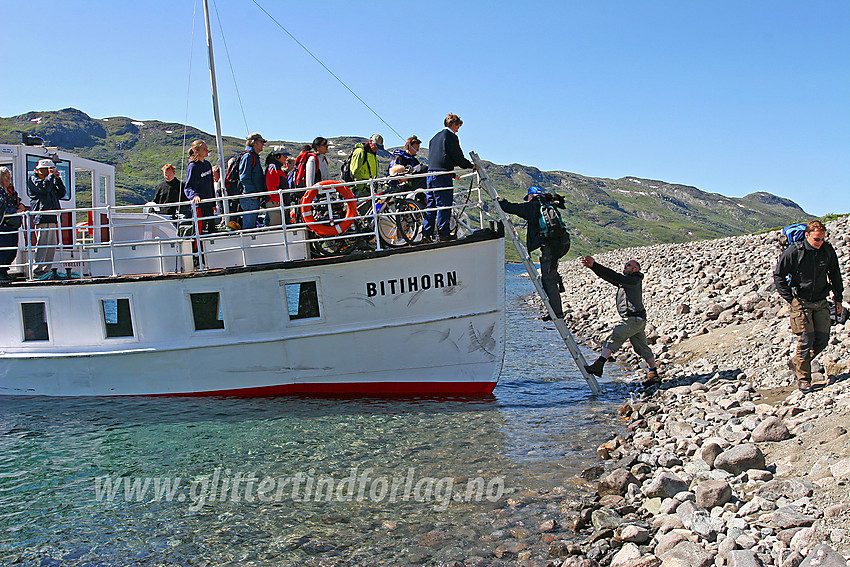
(374, 335)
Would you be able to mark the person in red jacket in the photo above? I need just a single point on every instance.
(276, 180)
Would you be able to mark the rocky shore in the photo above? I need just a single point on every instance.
(726, 463)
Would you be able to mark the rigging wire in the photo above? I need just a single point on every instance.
(232, 72)
(188, 86)
(372, 110)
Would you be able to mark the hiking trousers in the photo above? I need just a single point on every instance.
(550, 277)
(810, 322)
(632, 329)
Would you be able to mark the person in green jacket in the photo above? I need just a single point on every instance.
(364, 162)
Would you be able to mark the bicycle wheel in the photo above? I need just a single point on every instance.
(401, 222)
(325, 248)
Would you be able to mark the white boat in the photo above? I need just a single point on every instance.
(134, 308)
(245, 313)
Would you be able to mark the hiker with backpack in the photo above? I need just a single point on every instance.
(806, 272)
(630, 308)
(546, 231)
(252, 180)
(363, 163)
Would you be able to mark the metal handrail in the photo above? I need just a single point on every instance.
(119, 224)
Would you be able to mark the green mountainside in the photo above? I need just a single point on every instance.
(602, 214)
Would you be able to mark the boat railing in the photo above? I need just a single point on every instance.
(118, 240)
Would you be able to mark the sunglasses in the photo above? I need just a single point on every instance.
(818, 239)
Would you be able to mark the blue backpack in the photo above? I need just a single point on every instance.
(792, 233)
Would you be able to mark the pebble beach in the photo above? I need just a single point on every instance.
(725, 463)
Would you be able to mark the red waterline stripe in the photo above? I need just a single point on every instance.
(388, 389)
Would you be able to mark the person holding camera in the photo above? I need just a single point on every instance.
(11, 204)
(554, 244)
(45, 188)
(805, 274)
(630, 307)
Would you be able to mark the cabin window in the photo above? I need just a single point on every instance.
(35, 322)
(302, 300)
(62, 166)
(206, 311)
(117, 318)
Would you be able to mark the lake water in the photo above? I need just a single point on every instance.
(291, 481)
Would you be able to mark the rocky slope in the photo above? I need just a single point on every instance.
(726, 463)
(603, 213)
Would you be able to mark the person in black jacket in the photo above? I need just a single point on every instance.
(45, 188)
(630, 307)
(444, 154)
(551, 249)
(169, 191)
(812, 265)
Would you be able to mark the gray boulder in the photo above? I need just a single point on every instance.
(789, 517)
(792, 489)
(711, 493)
(771, 429)
(616, 482)
(740, 458)
(823, 556)
(744, 558)
(709, 453)
(665, 485)
(688, 553)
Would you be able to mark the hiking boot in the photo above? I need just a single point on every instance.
(233, 225)
(596, 367)
(805, 386)
(652, 377)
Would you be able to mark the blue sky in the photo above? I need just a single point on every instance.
(731, 97)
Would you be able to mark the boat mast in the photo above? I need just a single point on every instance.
(218, 141)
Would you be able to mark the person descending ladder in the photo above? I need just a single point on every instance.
(560, 324)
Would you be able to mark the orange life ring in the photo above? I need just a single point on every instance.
(334, 227)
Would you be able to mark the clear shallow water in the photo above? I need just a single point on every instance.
(525, 443)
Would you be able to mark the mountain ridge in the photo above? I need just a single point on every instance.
(602, 213)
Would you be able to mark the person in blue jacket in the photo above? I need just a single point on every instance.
(252, 179)
(199, 186)
(444, 154)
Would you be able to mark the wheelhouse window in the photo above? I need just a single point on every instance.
(35, 321)
(302, 300)
(117, 318)
(206, 311)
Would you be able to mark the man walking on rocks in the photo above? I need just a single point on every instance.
(813, 268)
(630, 307)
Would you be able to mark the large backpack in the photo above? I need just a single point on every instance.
(551, 223)
(792, 233)
(231, 177)
(301, 168)
(345, 169)
(552, 227)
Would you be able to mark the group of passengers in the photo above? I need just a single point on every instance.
(252, 192)
(45, 188)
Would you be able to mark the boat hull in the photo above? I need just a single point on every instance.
(427, 321)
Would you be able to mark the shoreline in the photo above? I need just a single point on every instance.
(725, 463)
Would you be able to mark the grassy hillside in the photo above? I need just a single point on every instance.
(603, 214)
